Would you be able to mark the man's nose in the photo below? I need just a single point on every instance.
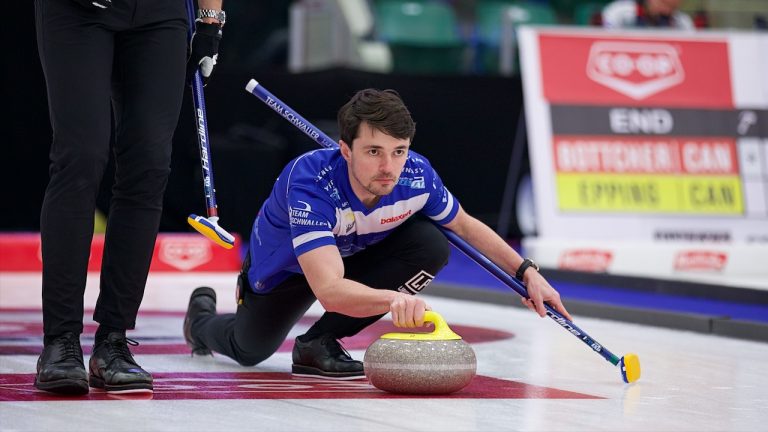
(385, 166)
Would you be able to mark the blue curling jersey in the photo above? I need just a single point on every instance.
(312, 205)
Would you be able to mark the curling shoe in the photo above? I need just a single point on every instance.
(60, 368)
(201, 302)
(324, 357)
(113, 368)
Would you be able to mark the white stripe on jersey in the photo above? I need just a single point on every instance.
(448, 207)
(307, 237)
(389, 217)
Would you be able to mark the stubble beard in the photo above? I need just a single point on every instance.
(380, 190)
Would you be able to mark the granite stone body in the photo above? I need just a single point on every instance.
(420, 366)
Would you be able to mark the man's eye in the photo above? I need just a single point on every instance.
(373, 152)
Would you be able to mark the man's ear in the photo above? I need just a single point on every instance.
(346, 150)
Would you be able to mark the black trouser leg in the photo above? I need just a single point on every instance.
(407, 259)
(133, 52)
(77, 65)
(147, 94)
(260, 325)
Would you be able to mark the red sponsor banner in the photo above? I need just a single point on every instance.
(173, 252)
(647, 155)
(586, 260)
(635, 71)
(699, 260)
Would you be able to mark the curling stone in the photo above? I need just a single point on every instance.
(421, 363)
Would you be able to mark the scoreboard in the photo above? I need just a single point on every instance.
(649, 138)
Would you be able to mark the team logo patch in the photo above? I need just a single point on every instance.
(417, 283)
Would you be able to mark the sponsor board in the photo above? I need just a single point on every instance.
(586, 260)
(173, 252)
(723, 264)
(185, 253)
(700, 260)
(666, 70)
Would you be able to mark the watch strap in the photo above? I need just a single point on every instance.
(523, 267)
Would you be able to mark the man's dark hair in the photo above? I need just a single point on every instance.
(383, 110)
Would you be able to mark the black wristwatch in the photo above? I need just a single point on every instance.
(523, 267)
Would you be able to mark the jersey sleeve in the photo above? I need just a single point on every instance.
(312, 218)
(441, 206)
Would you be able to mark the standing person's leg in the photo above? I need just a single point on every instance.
(256, 330)
(76, 56)
(148, 84)
(407, 261)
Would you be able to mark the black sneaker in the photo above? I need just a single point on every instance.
(324, 357)
(113, 368)
(201, 302)
(60, 368)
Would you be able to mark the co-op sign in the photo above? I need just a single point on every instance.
(635, 69)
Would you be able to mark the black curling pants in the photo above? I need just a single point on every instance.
(406, 260)
(129, 59)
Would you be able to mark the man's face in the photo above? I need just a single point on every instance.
(375, 162)
(663, 7)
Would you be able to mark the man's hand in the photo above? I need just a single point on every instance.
(204, 50)
(408, 310)
(95, 4)
(540, 291)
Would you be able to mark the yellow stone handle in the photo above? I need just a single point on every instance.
(441, 331)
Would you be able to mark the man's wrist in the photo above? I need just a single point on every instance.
(208, 20)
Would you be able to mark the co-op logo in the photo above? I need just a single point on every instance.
(635, 69)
